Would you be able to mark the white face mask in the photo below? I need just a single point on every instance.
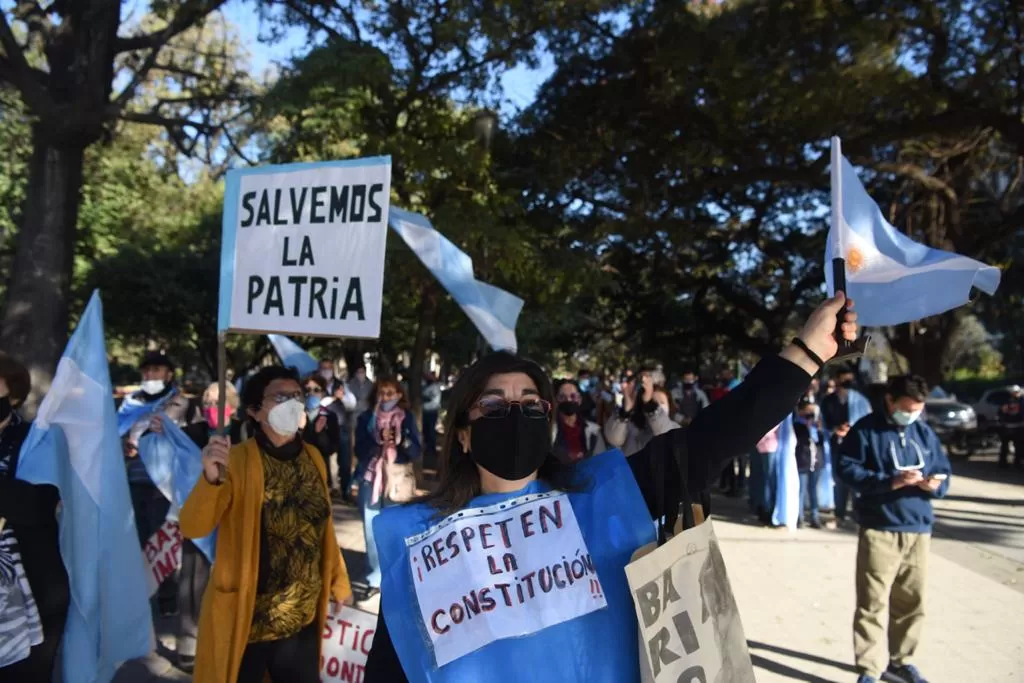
(328, 375)
(284, 418)
(153, 386)
(904, 419)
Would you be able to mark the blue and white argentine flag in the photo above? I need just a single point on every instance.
(892, 278)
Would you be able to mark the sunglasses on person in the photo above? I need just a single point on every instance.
(314, 391)
(496, 407)
(569, 398)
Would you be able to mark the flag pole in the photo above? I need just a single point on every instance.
(222, 394)
(847, 349)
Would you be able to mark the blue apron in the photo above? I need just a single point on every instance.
(599, 647)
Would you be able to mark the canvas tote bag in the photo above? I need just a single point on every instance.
(689, 625)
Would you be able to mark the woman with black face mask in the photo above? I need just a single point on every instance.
(514, 569)
(576, 437)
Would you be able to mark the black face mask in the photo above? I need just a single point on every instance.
(846, 384)
(688, 385)
(511, 447)
(5, 408)
(569, 408)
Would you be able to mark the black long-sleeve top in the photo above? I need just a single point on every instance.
(31, 514)
(676, 467)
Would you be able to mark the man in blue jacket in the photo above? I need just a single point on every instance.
(895, 462)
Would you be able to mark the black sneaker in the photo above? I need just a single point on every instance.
(903, 673)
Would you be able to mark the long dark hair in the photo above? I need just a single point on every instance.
(460, 480)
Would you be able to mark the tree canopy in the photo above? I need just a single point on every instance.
(665, 197)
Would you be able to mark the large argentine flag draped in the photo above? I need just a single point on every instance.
(892, 278)
(494, 311)
(74, 446)
(787, 478)
(292, 355)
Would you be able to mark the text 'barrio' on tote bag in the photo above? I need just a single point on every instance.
(690, 628)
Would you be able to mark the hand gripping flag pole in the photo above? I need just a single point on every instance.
(847, 349)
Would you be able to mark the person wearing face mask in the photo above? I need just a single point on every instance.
(810, 456)
(278, 562)
(690, 398)
(138, 414)
(387, 445)
(340, 401)
(322, 429)
(29, 512)
(898, 466)
(503, 492)
(575, 437)
(640, 419)
(839, 412)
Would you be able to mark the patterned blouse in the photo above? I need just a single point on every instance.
(295, 510)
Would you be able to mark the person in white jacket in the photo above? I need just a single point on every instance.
(643, 416)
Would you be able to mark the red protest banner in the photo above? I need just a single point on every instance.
(347, 637)
(163, 554)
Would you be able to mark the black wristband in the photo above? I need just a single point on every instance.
(800, 344)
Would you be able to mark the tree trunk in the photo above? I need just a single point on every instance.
(424, 328)
(35, 321)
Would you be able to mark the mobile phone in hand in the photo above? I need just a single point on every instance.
(939, 477)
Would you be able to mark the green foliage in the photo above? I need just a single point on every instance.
(688, 154)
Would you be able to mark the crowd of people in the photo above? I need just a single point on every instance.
(290, 446)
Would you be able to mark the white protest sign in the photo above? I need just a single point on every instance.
(690, 628)
(506, 570)
(347, 637)
(163, 554)
(303, 248)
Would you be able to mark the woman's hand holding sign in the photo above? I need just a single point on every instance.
(215, 457)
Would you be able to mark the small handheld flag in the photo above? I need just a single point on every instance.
(847, 349)
(892, 278)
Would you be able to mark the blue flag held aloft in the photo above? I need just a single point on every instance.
(493, 311)
(892, 278)
(74, 445)
(292, 355)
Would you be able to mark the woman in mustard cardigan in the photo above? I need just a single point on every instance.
(277, 562)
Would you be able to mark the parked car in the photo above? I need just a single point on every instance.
(955, 422)
(987, 408)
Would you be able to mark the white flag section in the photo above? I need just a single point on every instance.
(690, 628)
(303, 248)
(891, 278)
(493, 311)
(506, 570)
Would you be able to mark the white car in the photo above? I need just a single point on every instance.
(991, 401)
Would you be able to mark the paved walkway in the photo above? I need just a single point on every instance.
(796, 595)
(795, 592)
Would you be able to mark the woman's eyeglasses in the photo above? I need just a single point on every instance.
(498, 407)
(284, 398)
(569, 398)
(314, 391)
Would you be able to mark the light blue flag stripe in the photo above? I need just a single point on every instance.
(892, 278)
(493, 311)
(74, 446)
(292, 355)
